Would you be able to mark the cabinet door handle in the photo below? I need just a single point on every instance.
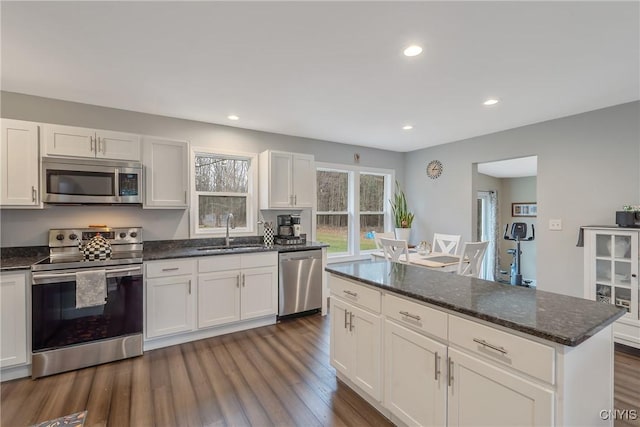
(437, 366)
(34, 194)
(450, 372)
(413, 316)
(295, 200)
(491, 346)
(351, 316)
(189, 286)
(238, 281)
(91, 144)
(353, 294)
(243, 280)
(345, 319)
(101, 147)
(185, 197)
(171, 269)
(633, 275)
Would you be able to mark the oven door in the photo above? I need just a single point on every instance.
(57, 323)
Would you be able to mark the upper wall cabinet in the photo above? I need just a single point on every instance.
(166, 165)
(287, 180)
(19, 161)
(81, 142)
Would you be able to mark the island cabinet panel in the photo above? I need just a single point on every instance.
(416, 316)
(356, 335)
(415, 382)
(481, 393)
(524, 355)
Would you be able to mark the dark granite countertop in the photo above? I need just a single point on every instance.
(21, 258)
(554, 317)
(188, 248)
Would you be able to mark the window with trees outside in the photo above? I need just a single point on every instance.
(352, 205)
(223, 184)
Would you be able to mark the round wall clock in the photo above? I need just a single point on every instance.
(434, 169)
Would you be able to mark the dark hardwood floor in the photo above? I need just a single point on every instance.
(276, 375)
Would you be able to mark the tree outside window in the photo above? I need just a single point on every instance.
(222, 186)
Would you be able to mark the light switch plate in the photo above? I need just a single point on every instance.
(555, 224)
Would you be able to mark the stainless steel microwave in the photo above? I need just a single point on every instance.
(86, 181)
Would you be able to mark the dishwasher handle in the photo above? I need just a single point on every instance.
(301, 256)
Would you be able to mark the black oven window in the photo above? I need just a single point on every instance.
(58, 323)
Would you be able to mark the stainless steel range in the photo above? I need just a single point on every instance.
(87, 311)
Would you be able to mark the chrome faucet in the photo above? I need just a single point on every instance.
(228, 240)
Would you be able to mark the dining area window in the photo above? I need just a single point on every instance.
(352, 205)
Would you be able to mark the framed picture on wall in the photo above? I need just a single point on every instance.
(524, 209)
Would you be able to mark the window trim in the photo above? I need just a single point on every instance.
(353, 207)
(252, 194)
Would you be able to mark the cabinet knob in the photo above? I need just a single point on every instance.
(634, 275)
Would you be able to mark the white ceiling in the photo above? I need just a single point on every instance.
(512, 168)
(330, 70)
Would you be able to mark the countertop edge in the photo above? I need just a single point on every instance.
(568, 341)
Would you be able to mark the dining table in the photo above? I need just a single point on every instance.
(434, 260)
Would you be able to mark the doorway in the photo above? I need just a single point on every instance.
(502, 185)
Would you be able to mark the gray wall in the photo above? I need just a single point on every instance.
(518, 190)
(29, 227)
(588, 167)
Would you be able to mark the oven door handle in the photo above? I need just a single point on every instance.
(59, 275)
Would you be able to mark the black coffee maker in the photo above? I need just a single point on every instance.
(286, 234)
(285, 226)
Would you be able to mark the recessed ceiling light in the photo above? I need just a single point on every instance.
(407, 127)
(491, 101)
(413, 50)
(233, 117)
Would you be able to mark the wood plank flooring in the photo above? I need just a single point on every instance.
(276, 375)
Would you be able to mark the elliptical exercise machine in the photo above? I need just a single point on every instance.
(518, 234)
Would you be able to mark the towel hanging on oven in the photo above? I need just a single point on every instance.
(91, 288)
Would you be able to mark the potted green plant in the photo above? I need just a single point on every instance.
(402, 217)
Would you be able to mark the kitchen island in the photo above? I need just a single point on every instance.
(432, 348)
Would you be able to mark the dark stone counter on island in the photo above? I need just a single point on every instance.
(558, 318)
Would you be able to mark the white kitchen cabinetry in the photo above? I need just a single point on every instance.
(20, 164)
(13, 319)
(170, 288)
(287, 180)
(611, 276)
(356, 333)
(166, 165)
(80, 142)
(441, 368)
(415, 364)
(237, 287)
(482, 394)
(482, 369)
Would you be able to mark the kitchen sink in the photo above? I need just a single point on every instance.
(239, 248)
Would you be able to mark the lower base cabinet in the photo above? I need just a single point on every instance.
(436, 374)
(355, 345)
(415, 388)
(13, 319)
(483, 394)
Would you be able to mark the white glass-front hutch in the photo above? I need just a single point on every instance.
(611, 276)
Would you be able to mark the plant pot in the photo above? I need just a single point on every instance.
(403, 233)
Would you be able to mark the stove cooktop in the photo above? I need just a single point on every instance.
(67, 262)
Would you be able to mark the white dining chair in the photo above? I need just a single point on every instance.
(394, 249)
(446, 243)
(377, 236)
(471, 258)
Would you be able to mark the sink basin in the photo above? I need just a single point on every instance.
(239, 248)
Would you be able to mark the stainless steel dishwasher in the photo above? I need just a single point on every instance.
(300, 287)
